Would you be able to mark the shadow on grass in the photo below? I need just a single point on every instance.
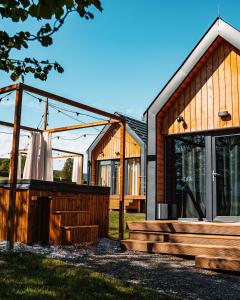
(27, 276)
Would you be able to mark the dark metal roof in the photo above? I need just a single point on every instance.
(139, 127)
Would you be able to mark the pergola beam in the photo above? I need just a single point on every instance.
(70, 102)
(26, 128)
(66, 151)
(8, 88)
(80, 126)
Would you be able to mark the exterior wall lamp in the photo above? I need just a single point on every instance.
(180, 119)
(224, 115)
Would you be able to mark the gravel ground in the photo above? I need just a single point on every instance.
(165, 273)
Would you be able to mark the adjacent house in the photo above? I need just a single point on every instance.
(104, 160)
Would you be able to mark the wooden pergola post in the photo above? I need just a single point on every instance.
(122, 179)
(14, 168)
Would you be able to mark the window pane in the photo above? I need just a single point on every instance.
(228, 179)
(186, 175)
(116, 178)
(133, 174)
(104, 174)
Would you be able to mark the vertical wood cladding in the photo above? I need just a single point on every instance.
(109, 146)
(213, 86)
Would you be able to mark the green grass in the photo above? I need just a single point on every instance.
(28, 276)
(114, 221)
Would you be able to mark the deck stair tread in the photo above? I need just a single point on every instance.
(217, 263)
(211, 236)
(175, 226)
(181, 248)
(214, 245)
(189, 238)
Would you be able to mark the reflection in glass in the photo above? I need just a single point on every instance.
(186, 175)
(104, 173)
(116, 178)
(133, 176)
(227, 178)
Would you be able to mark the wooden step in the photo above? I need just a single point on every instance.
(79, 234)
(218, 263)
(71, 218)
(186, 227)
(58, 219)
(181, 249)
(201, 239)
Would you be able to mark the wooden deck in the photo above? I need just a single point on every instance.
(131, 203)
(214, 245)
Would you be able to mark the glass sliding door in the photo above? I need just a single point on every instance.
(186, 175)
(226, 177)
(203, 176)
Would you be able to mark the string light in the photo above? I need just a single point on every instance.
(4, 132)
(65, 109)
(59, 110)
(7, 95)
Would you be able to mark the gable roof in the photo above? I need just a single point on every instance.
(219, 28)
(136, 128)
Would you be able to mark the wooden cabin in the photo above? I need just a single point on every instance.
(104, 160)
(193, 157)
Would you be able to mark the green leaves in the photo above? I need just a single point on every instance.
(20, 11)
(39, 69)
(14, 76)
(46, 41)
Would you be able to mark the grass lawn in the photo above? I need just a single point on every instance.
(28, 276)
(114, 221)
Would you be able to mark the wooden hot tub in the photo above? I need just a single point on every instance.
(56, 212)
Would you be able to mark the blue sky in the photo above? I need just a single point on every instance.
(121, 59)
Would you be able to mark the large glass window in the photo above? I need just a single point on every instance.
(108, 175)
(104, 173)
(133, 177)
(186, 175)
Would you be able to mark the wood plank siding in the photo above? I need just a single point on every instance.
(212, 86)
(109, 146)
